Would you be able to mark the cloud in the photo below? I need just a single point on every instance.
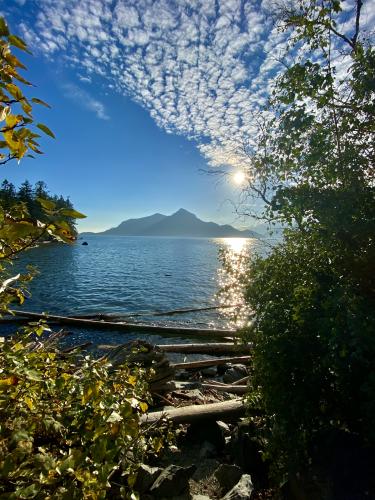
(202, 68)
(84, 99)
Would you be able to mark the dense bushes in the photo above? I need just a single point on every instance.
(314, 294)
(69, 426)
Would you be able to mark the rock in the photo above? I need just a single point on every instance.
(85, 243)
(146, 476)
(228, 475)
(200, 497)
(206, 431)
(208, 450)
(172, 481)
(242, 490)
(210, 371)
(225, 429)
(245, 451)
(234, 373)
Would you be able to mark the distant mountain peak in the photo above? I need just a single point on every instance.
(180, 224)
(182, 211)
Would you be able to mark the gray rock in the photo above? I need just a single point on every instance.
(208, 450)
(235, 372)
(210, 371)
(225, 429)
(228, 475)
(172, 481)
(146, 476)
(242, 490)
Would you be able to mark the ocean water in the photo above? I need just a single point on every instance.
(121, 275)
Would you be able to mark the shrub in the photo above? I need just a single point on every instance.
(69, 426)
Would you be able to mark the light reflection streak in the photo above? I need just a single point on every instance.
(232, 279)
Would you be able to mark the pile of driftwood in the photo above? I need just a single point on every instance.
(163, 380)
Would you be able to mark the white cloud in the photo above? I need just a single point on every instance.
(202, 68)
(84, 99)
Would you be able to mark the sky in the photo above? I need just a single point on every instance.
(147, 97)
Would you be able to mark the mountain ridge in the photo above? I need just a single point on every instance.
(181, 223)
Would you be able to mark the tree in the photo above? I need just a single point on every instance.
(314, 294)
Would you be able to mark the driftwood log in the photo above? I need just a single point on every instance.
(148, 356)
(147, 328)
(226, 410)
(193, 365)
(210, 348)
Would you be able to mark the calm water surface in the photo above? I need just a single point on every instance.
(119, 275)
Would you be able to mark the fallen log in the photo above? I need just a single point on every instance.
(241, 381)
(210, 362)
(210, 348)
(112, 325)
(226, 410)
(233, 389)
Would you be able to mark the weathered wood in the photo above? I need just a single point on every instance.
(150, 329)
(241, 381)
(210, 362)
(226, 410)
(234, 389)
(210, 348)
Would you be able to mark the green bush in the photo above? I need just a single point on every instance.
(314, 347)
(69, 427)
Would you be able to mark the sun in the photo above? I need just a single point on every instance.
(239, 178)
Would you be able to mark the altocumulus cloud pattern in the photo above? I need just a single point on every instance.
(201, 67)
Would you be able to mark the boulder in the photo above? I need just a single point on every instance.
(228, 475)
(242, 490)
(208, 450)
(245, 451)
(210, 371)
(172, 481)
(146, 476)
(234, 373)
(206, 431)
(200, 497)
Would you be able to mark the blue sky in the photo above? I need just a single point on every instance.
(145, 94)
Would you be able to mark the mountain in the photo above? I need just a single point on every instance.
(181, 223)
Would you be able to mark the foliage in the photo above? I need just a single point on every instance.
(314, 294)
(31, 197)
(69, 427)
(26, 217)
(19, 135)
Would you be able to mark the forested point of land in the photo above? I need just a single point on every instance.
(30, 195)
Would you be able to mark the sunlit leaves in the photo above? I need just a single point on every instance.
(46, 130)
(64, 428)
(18, 134)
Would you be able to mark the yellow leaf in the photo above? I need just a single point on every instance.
(143, 407)
(12, 380)
(132, 380)
(29, 403)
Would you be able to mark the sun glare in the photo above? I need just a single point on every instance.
(239, 178)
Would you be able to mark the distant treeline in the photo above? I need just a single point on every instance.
(29, 194)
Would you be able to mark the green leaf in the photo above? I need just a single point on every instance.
(39, 101)
(72, 213)
(4, 31)
(14, 91)
(47, 204)
(46, 130)
(17, 42)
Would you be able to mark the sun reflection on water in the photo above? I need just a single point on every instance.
(232, 279)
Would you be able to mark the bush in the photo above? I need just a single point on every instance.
(314, 347)
(69, 426)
